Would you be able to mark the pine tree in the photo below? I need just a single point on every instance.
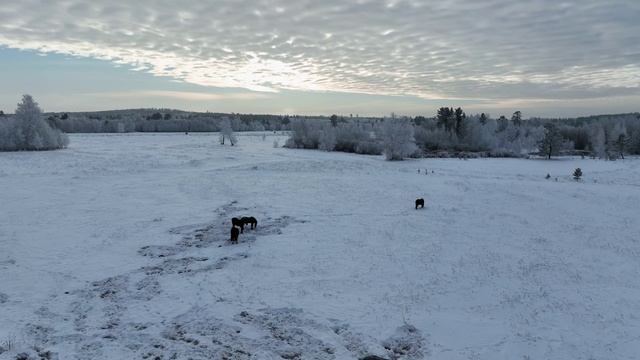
(28, 130)
(483, 119)
(516, 118)
(334, 120)
(577, 174)
(503, 123)
(460, 116)
(445, 118)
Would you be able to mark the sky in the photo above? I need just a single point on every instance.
(545, 58)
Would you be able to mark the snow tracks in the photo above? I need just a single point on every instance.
(127, 316)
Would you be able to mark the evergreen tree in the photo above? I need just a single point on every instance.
(503, 123)
(483, 119)
(460, 116)
(443, 118)
(419, 120)
(28, 130)
(577, 174)
(516, 118)
(334, 120)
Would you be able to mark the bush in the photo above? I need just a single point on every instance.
(349, 136)
(345, 137)
(304, 134)
(369, 148)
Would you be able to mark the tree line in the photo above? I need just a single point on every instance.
(162, 120)
(452, 132)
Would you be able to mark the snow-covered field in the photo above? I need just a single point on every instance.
(116, 248)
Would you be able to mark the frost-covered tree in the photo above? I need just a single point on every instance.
(226, 132)
(517, 141)
(28, 130)
(551, 144)
(349, 136)
(598, 141)
(327, 139)
(397, 139)
(479, 135)
(619, 140)
(304, 134)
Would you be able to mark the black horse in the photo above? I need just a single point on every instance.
(420, 203)
(251, 221)
(234, 234)
(239, 223)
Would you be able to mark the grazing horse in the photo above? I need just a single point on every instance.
(420, 203)
(234, 234)
(251, 221)
(239, 223)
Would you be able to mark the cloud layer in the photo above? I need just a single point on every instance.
(448, 49)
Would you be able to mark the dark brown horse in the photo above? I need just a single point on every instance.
(251, 221)
(420, 203)
(234, 234)
(239, 223)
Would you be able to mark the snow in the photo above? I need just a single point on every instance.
(116, 248)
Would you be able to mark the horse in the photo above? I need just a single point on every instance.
(251, 221)
(239, 223)
(234, 234)
(420, 203)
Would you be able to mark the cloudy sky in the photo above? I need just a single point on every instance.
(544, 57)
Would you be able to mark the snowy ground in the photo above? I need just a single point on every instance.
(116, 249)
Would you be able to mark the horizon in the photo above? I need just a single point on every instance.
(369, 58)
(433, 116)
